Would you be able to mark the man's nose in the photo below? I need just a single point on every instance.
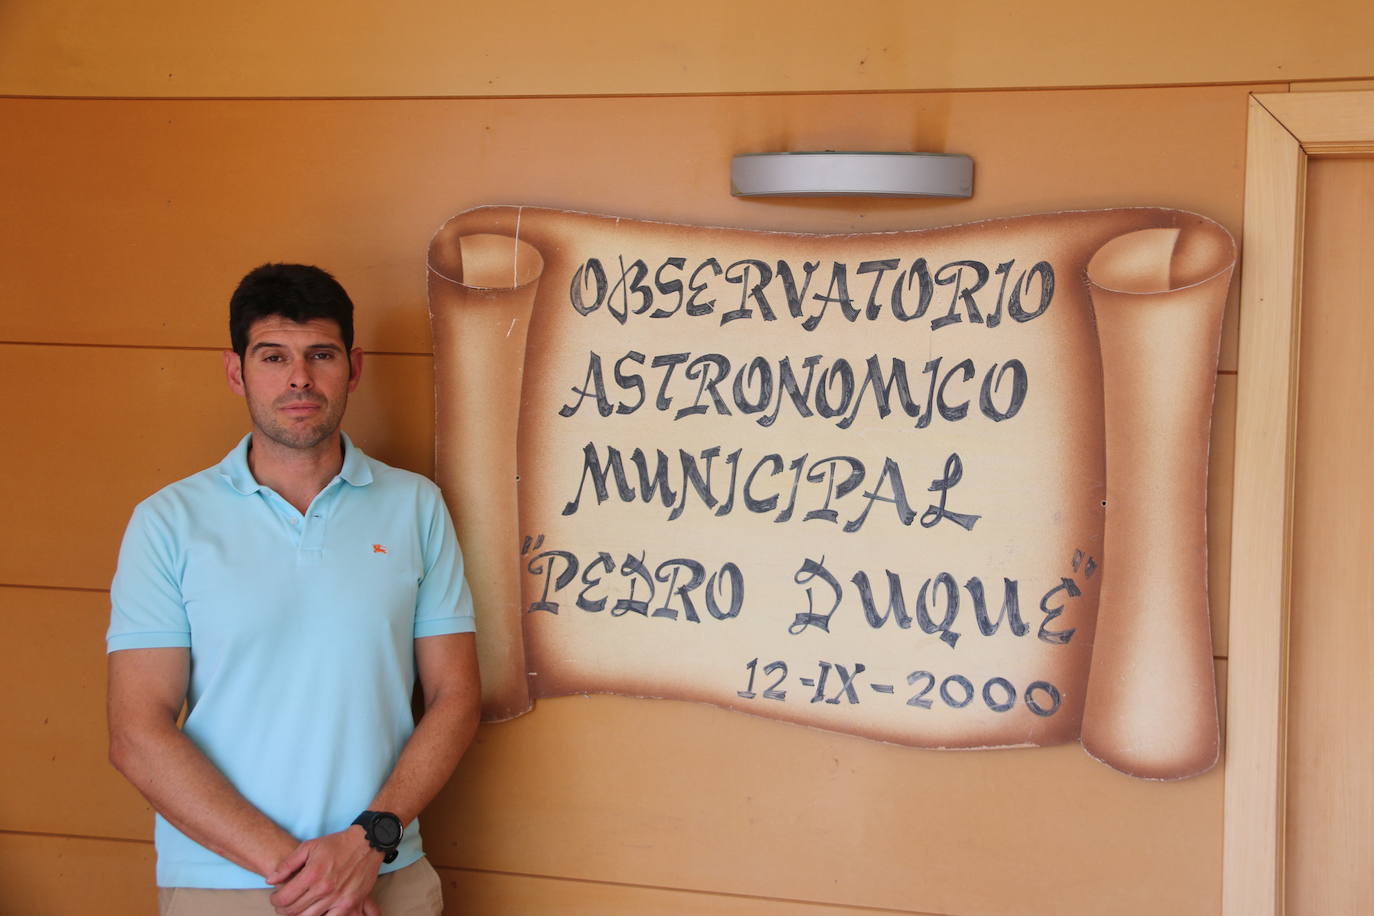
(300, 375)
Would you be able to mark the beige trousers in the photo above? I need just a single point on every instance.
(410, 891)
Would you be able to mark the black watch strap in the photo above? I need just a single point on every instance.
(384, 831)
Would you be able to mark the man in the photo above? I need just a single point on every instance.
(288, 597)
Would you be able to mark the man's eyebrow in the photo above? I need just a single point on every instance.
(271, 344)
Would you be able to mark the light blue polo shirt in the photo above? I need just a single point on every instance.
(302, 632)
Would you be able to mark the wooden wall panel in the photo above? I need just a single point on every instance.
(522, 47)
(760, 808)
(75, 876)
(477, 893)
(137, 218)
(58, 779)
(1332, 86)
(108, 426)
(80, 876)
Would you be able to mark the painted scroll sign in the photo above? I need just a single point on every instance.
(941, 488)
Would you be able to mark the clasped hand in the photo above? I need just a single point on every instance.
(332, 875)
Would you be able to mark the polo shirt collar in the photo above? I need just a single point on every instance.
(356, 470)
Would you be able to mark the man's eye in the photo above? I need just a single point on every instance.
(272, 358)
(323, 354)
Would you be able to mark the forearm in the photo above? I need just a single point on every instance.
(430, 756)
(188, 790)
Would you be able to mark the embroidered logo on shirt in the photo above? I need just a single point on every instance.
(378, 548)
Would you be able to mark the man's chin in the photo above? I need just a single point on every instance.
(299, 439)
(297, 434)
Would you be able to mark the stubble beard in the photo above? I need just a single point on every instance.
(298, 436)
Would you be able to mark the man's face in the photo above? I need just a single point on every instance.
(295, 378)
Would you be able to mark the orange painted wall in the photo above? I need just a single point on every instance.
(259, 48)
(134, 218)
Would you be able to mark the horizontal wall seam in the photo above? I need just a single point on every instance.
(177, 348)
(1278, 83)
(55, 588)
(792, 901)
(75, 836)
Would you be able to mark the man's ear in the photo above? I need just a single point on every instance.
(233, 372)
(355, 368)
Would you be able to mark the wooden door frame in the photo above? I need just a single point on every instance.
(1285, 130)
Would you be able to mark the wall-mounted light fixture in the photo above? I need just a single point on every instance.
(851, 174)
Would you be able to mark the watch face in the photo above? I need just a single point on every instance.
(386, 830)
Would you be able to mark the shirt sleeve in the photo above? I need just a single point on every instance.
(146, 609)
(444, 601)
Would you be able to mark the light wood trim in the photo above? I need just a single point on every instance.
(1319, 118)
(1284, 130)
(1266, 398)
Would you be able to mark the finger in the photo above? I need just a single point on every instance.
(318, 908)
(295, 909)
(300, 898)
(343, 910)
(289, 866)
(370, 908)
(291, 894)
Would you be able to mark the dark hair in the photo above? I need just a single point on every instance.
(297, 292)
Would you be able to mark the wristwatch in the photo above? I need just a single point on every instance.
(384, 831)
